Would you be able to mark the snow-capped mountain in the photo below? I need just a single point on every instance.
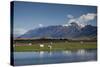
(73, 31)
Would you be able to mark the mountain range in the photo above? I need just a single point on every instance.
(73, 31)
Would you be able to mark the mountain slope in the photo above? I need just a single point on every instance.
(72, 31)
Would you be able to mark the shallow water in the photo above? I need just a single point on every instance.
(43, 57)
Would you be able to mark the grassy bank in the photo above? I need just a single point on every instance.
(56, 46)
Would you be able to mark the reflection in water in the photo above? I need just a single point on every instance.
(81, 52)
(41, 53)
(67, 52)
(50, 53)
(44, 57)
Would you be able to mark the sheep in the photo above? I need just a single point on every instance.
(51, 43)
(30, 44)
(50, 46)
(41, 45)
(81, 42)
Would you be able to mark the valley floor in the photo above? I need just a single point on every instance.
(54, 46)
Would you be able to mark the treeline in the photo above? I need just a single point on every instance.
(49, 40)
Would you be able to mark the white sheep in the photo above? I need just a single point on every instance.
(41, 45)
(51, 43)
(30, 44)
(50, 46)
(81, 42)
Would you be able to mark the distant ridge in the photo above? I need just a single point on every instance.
(73, 31)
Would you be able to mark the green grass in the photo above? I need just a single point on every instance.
(57, 46)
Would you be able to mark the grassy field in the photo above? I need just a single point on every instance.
(56, 46)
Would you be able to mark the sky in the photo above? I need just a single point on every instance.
(31, 15)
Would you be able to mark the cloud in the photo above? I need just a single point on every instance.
(87, 17)
(83, 19)
(19, 31)
(40, 25)
(70, 16)
(65, 25)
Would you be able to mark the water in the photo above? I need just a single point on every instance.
(31, 58)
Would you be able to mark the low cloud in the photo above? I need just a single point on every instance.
(83, 19)
(19, 31)
(40, 25)
(70, 16)
(87, 17)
